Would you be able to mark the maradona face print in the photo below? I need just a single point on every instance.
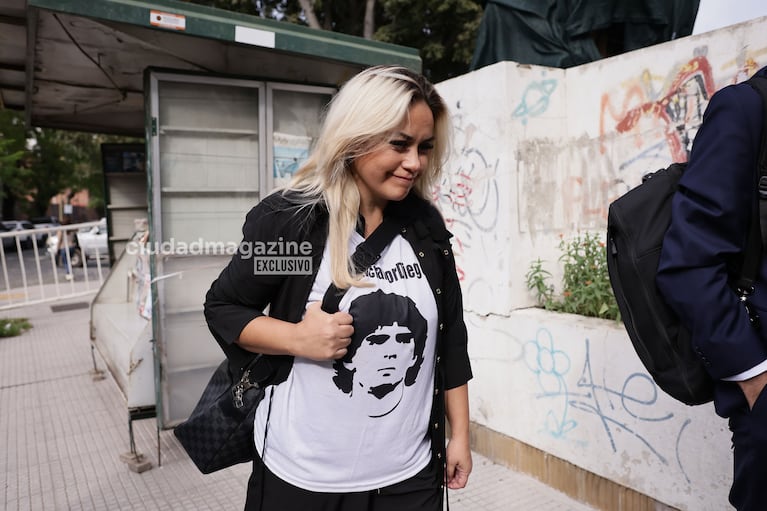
(385, 354)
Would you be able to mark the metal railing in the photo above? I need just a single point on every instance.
(34, 268)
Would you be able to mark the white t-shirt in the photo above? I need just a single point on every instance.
(360, 424)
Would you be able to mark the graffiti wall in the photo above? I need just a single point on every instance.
(494, 109)
(578, 394)
(540, 153)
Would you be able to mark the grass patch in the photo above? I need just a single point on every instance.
(11, 327)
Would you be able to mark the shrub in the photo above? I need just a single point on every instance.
(585, 283)
(11, 327)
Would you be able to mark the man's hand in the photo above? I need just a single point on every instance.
(753, 387)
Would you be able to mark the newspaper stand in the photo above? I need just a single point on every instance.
(228, 106)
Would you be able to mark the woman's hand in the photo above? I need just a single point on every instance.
(458, 448)
(459, 463)
(323, 336)
(319, 336)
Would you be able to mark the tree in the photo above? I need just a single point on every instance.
(60, 160)
(284, 10)
(14, 176)
(38, 164)
(443, 30)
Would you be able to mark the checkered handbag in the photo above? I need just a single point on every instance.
(219, 432)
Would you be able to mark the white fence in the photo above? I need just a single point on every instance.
(34, 266)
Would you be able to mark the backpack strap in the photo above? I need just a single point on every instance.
(759, 83)
(758, 231)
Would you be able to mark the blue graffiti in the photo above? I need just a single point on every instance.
(656, 152)
(550, 367)
(535, 100)
(635, 397)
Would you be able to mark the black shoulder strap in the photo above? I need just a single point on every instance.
(757, 235)
(367, 252)
(759, 83)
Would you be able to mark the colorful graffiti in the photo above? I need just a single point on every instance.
(643, 125)
(679, 110)
(627, 407)
(468, 196)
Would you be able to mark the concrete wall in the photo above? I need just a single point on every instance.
(540, 153)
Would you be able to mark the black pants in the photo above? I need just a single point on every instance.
(267, 492)
(749, 439)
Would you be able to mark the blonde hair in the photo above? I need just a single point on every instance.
(361, 117)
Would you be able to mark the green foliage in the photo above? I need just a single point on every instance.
(538, 281)
(585, 282)
(444, 31)
(11, 327)
(274, 9)
(38, 164)
(13, 136)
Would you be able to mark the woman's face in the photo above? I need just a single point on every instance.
(389, 171)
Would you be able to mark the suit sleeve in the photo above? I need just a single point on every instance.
(239, 295)
(711, 215)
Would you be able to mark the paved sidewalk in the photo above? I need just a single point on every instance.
(61, 436)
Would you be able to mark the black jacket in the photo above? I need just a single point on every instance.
(239, 295)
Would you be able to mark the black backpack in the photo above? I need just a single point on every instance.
(636, 225)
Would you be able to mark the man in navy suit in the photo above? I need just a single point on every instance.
(710, 222)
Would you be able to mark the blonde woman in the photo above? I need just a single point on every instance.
(356, 419)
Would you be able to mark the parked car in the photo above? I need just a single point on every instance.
(90, 242)
(9, 242)
(45, 221)
(46, 225)
(21, 225)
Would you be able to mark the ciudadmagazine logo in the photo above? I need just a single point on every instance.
(279, 257)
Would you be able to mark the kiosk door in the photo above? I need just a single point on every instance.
(217, 146)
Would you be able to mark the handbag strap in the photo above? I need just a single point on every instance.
(367, 253)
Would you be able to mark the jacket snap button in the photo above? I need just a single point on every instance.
(436, 425)
(441, 326)
(404, 230)
(438, 291)
(420, 254)
(446, 252)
